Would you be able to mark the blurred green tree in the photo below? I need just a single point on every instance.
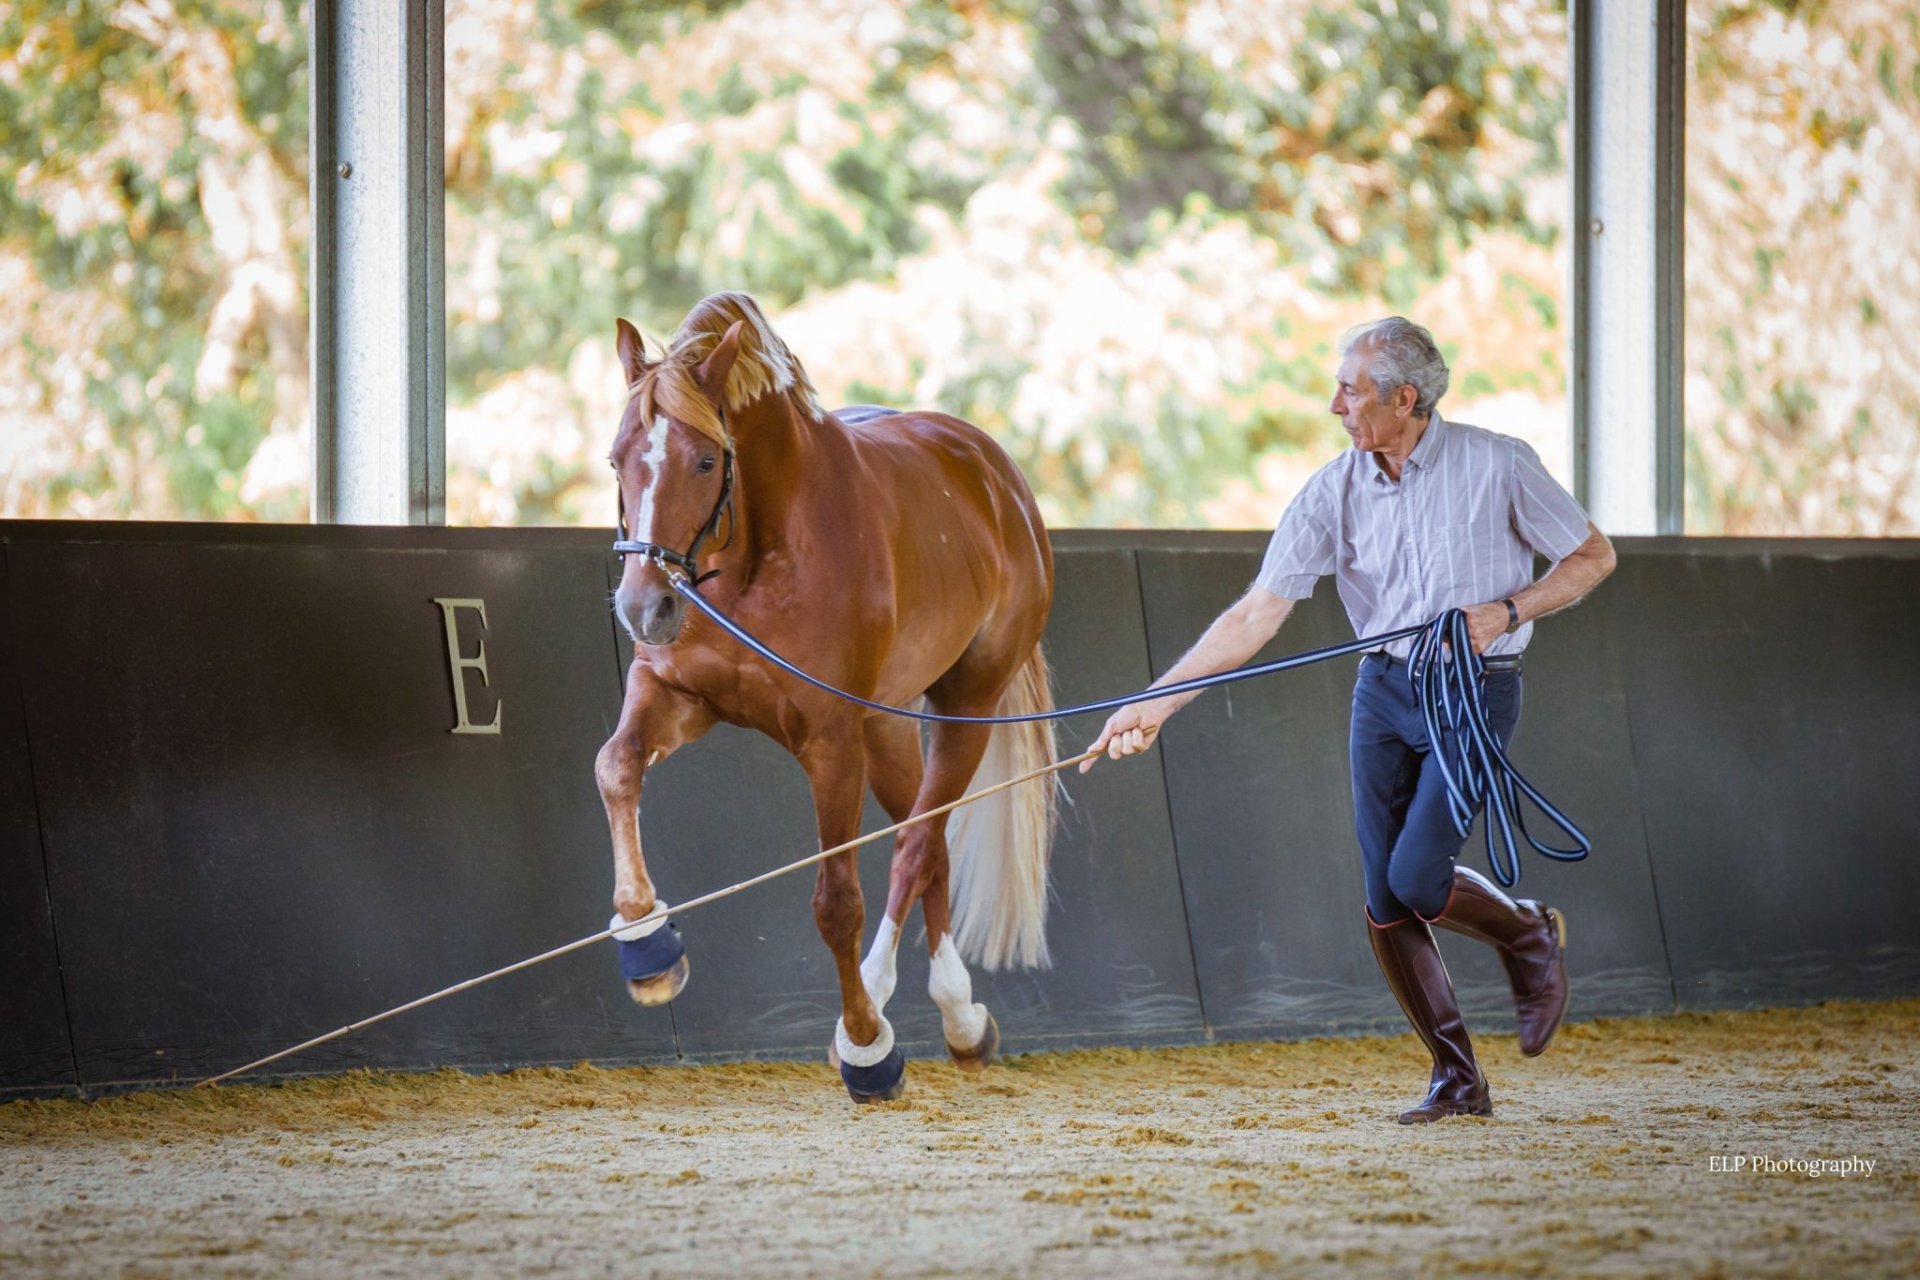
(153, 164)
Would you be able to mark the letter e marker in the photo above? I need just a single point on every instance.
(449, 605)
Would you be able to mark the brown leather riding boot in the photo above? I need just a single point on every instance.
(1532, 942)
(1418, 978)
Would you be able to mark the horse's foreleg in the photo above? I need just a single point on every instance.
(871, 1066)
(653, 723)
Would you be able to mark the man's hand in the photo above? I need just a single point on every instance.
(1131, 730)
(1485, 624)
(1564, 584)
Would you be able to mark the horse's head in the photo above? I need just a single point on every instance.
(673, 458)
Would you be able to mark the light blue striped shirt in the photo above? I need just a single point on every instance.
(1460, 528)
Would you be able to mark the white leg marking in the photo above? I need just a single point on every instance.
(655, 455)
(862, 1055)
(947, 982)
(876, 971)
(626, 880)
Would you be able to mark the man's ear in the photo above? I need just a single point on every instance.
(712, 372)
(1405, 396)
(633, 351)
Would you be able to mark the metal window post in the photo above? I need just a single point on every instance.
(379, 325)
(1629, 86)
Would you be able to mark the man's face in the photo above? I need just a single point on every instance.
(1370, 424)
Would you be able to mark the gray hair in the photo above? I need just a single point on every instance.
(1400, 354)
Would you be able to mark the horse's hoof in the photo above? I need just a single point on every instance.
(662, 987)
(884, 1081)
(655, 966)
(982, 1055)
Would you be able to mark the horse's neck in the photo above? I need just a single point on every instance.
(781, 455)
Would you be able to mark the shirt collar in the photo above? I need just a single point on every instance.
(1424, 454)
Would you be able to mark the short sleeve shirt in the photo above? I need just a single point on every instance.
(1459, 528)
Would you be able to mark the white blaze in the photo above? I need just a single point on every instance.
(655, 455)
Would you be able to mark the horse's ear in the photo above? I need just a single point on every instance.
(713, 371)
(633, 350)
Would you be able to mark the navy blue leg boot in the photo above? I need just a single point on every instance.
(884, 1079)
(655, 966)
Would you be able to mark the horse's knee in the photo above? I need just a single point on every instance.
(838, 911)
(617, 768)
(913, 858)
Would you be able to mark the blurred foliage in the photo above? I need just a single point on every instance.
(1803, 285)
(1361, 150)
(114, 122)
(873, 166)
(1123, 235)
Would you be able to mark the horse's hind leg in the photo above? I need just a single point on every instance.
(920, 870)
(871, 1066)
(893, 772)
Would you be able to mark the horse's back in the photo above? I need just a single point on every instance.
(916, 441)
(952, 492)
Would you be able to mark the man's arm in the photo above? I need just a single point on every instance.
(1569, 581)
(1234, 637)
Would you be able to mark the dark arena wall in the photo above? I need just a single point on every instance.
(233, 814)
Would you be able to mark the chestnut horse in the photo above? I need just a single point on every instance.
(897, 556)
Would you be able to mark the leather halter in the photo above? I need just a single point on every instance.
(688, 561)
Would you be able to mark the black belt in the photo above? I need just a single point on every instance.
(1495, 663)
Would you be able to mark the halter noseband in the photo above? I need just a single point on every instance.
(688, 561)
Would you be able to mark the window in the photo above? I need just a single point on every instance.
(1122, 237)
(153, 273)
(1803, 284)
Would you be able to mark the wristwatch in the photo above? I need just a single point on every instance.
(1513, 616)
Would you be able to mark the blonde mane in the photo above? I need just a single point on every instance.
(764, 366)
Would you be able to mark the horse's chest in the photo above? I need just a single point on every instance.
(741, 695)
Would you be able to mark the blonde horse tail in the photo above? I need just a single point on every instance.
(999, 847)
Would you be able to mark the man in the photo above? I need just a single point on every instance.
(1420, 516)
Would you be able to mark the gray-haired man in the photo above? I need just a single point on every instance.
(1420, 516)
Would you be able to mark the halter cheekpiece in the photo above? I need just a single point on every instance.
(688, 561)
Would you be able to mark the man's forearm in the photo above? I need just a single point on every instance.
(1569, 581)
(1234, 637)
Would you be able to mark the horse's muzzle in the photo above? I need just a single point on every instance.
(651, 617)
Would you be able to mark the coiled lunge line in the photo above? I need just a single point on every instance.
(1449, 691)
(1476, 768)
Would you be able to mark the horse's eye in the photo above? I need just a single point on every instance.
(706, 464)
